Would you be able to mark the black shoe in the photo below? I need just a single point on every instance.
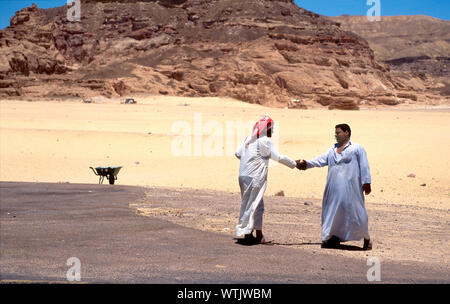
(249, 237)
(333, 242)
(248, 240)
(367, 244)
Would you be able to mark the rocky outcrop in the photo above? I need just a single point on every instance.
(343, 104)
(264, 52)
(416, 45)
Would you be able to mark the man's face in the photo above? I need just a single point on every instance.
(341, 136)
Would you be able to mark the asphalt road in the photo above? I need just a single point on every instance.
(42, 225)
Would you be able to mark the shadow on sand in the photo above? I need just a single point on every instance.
(348, 247)
(244, 242)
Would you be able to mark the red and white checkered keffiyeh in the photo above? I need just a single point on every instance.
(260, 127)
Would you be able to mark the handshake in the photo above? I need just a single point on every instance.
(301, 164)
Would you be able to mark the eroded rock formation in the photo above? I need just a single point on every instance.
(265, 52)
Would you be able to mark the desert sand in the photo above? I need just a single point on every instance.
(57, 141)
(45, 141)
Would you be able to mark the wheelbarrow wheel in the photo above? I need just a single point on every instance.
(111, 179)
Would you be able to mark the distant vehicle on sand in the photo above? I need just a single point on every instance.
(130, 101)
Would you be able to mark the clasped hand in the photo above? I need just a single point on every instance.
(301, 164)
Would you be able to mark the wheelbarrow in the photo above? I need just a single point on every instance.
(108, 172)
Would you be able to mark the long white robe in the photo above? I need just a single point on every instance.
(254, 162)
(343, 212)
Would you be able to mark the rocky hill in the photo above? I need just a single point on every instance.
(419, 44)
(259, 51)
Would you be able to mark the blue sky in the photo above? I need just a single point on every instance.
(435, 8)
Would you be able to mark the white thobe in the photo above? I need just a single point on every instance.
(343, 212)
(254, 163)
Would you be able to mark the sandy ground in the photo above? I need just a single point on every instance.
(189, 143)
(43, 224)
(401, 233)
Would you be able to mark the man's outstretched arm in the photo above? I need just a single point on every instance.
(272, 152)
(319, 161)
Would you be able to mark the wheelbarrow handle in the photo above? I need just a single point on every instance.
(95, 172)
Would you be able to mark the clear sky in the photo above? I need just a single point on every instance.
(435, 8)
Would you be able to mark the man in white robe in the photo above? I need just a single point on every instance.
(344, 216)
(254, 154)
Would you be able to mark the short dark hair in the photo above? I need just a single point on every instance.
(345, 127)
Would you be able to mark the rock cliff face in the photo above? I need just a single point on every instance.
(259, 51)
(416, 44)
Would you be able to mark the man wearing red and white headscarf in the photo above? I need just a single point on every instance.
(254, 154)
